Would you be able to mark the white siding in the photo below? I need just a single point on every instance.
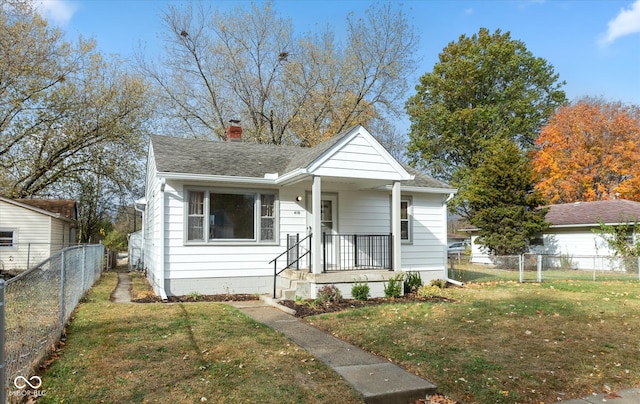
(580, 244)
(223, 259)
(32, 233)
(364, 212)
(59, 235)
(575, 242)
(358, 159)
(151, 234)
(427, 251)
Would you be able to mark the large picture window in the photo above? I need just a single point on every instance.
(240, 216)
(231, 216)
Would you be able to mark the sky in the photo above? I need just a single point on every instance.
(594, 45)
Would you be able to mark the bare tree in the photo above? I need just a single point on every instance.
(67, 114)
(248, 64)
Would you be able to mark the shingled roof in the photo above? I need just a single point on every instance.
(64, 207)
(249, 160)
(589, 213)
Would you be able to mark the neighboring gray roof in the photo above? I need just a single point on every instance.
(239, 159)
(587, 213)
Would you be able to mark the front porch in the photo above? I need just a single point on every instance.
(346, 259)
(294, 284)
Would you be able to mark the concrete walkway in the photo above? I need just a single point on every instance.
(377, 379)
(627, 396)
(122, 293)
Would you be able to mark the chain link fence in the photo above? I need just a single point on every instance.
(37, 306)
(18, 257)
(540, 268)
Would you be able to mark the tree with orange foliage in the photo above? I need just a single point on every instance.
(589, 151)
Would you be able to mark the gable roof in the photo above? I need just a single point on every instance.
(252, 160)
(591, 213)
(58, 208)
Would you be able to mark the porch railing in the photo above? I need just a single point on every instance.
(296, 251)
(341, 252)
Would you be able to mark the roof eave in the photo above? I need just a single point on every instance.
(55, 215)
(424, 190)
(560, 226)
(216, 178)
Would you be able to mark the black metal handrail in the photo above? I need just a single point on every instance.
(295, 247)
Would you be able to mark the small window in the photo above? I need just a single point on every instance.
(195, 216)
(405, 220)
(6, 238)
(267, 217)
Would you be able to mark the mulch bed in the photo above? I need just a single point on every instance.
(199, 298)
(308, 308)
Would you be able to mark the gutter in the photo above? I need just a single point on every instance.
(217, 178)
(425, 190)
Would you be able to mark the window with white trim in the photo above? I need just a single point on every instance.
(405, 220)
(195, 216)
(232, 215)
(7, 238)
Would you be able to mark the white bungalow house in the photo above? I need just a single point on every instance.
(31, 230)
(225, 217)
(572, 235)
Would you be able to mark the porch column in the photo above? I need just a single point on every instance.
(316, 239)
(395, 225)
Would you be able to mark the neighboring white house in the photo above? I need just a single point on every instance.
(31, 230)
(217, 213)
(571, 233)
(135, 250)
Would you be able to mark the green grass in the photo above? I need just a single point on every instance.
(181, 353)
(507, 342)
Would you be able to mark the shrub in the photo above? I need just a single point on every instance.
(360, 291)
(412, 282)
(429, 291)
(440, 283)
(566, 261)
(329, 293)
(394, 287)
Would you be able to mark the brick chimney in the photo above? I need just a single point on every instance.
(234, 132)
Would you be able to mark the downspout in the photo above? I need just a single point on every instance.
(143, 240)
(163, 294)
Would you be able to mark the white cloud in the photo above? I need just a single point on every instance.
(626, 22)
(57, 11)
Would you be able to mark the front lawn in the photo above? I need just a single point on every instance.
(509, 342)
(181, 353)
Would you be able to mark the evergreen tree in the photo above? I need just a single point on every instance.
(501, 197)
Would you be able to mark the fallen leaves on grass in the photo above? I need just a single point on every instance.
(436, 399)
